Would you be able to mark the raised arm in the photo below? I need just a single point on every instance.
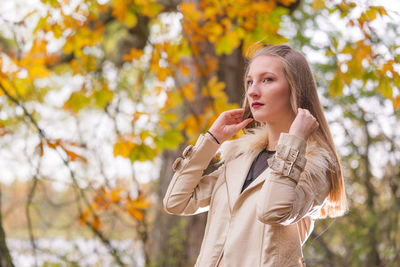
(189, 189)
(295, 188)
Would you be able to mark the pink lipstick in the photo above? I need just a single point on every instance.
(257, 104)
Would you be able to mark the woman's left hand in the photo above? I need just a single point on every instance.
(304, 124)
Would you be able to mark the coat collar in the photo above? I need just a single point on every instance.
(240, 153)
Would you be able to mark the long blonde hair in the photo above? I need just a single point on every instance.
(303, 94)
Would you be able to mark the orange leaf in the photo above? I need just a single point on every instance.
(84, 216)
(185, 70)
(73, 156)
(96, 223)
(120, 9)
(134, 54)
(115, 195)
(190, 11)
(396, 102)
(138, 215)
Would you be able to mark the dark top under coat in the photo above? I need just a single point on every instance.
(259, 165)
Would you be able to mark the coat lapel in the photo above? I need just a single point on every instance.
(236, 173)
(260, 178)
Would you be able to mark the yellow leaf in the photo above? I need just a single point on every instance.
(227, 43)
(38, 71)
(151, 9)
(190, 11)
(123, 148)
(188, 91)
(130, 19)
(191, 125)
(214, 88)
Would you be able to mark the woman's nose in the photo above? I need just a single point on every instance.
(253, 91)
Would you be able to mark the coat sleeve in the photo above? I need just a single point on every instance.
(290, 193)
(189, 189)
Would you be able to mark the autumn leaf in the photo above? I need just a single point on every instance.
(83, 218)
(188, 91)
(384, 87)
(190, 11)
(134, 54)
(136, 207)
(123, 147)
(396, 103)
(336, 86)
(120, 8)
(74, 156)
(318, 4)
(96, 223)
(77, 101)
(115, 195)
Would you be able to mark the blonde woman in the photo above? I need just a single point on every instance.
(275, 180)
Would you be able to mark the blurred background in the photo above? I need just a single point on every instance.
(98, 98)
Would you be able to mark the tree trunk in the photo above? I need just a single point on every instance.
(5, 257)
(176, 240)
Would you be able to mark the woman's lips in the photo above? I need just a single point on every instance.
(257, 105)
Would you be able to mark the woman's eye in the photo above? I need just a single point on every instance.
(249, 82)
(267, 79)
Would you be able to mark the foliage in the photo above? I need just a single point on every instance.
(158, 84)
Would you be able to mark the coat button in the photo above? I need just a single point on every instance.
(188, 151)
(177, 164)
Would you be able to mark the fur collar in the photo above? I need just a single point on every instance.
(318, 158)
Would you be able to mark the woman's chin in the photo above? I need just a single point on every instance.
(259, 118)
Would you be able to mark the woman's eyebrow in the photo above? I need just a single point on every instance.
(263, 73)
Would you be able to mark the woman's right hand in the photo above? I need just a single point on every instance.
(228, 124)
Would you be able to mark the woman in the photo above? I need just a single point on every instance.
(275, 180)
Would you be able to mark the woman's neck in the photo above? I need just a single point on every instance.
(276, 128)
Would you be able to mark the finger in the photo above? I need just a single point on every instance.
(236, 111)
(244, 123)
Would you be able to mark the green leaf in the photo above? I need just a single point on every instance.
(336, 86)
(103, 97)
(170, 140)
(77, 101)
(385, 88)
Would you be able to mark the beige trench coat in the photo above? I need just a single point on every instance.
(268, 222)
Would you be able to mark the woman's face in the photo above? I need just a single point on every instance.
(268, 90)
